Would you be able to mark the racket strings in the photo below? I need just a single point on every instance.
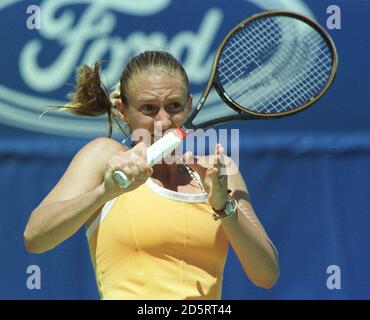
(280, 74)
(283, 79)
(266, 44)
(274, 65)
(293, 82)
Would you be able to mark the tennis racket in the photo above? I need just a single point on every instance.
(271, 65)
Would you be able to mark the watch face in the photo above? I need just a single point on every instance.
(230, 207)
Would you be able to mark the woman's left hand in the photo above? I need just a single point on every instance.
(212, 172)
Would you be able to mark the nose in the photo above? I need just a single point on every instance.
(163, 119)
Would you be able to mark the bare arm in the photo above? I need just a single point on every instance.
(246, 234)
(248, 238)
(84, 188)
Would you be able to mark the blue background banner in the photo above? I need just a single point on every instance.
(308, 175)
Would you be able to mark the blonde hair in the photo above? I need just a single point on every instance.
(91, 98)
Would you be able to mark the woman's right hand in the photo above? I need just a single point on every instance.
(133, 163)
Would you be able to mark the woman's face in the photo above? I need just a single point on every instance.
(156, 103)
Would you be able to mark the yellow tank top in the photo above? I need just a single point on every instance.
(154, 243)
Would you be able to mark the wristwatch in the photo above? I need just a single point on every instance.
(229, 209)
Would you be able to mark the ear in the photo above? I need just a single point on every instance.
(121, 108)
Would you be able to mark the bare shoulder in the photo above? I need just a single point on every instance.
(92, 157)
(107, 145)
(86, 170)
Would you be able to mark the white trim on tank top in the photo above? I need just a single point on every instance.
(173, 195)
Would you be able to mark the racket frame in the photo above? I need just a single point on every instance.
(243, 113)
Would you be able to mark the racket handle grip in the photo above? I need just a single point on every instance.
(155, 152)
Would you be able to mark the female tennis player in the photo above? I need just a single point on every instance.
(166, 235)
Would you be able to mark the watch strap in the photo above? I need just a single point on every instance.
(220, 214)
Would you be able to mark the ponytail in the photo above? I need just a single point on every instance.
(90, 97)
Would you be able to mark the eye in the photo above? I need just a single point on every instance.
(148, 108)
(175, 107)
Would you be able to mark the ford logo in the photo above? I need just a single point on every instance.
(39, 63)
